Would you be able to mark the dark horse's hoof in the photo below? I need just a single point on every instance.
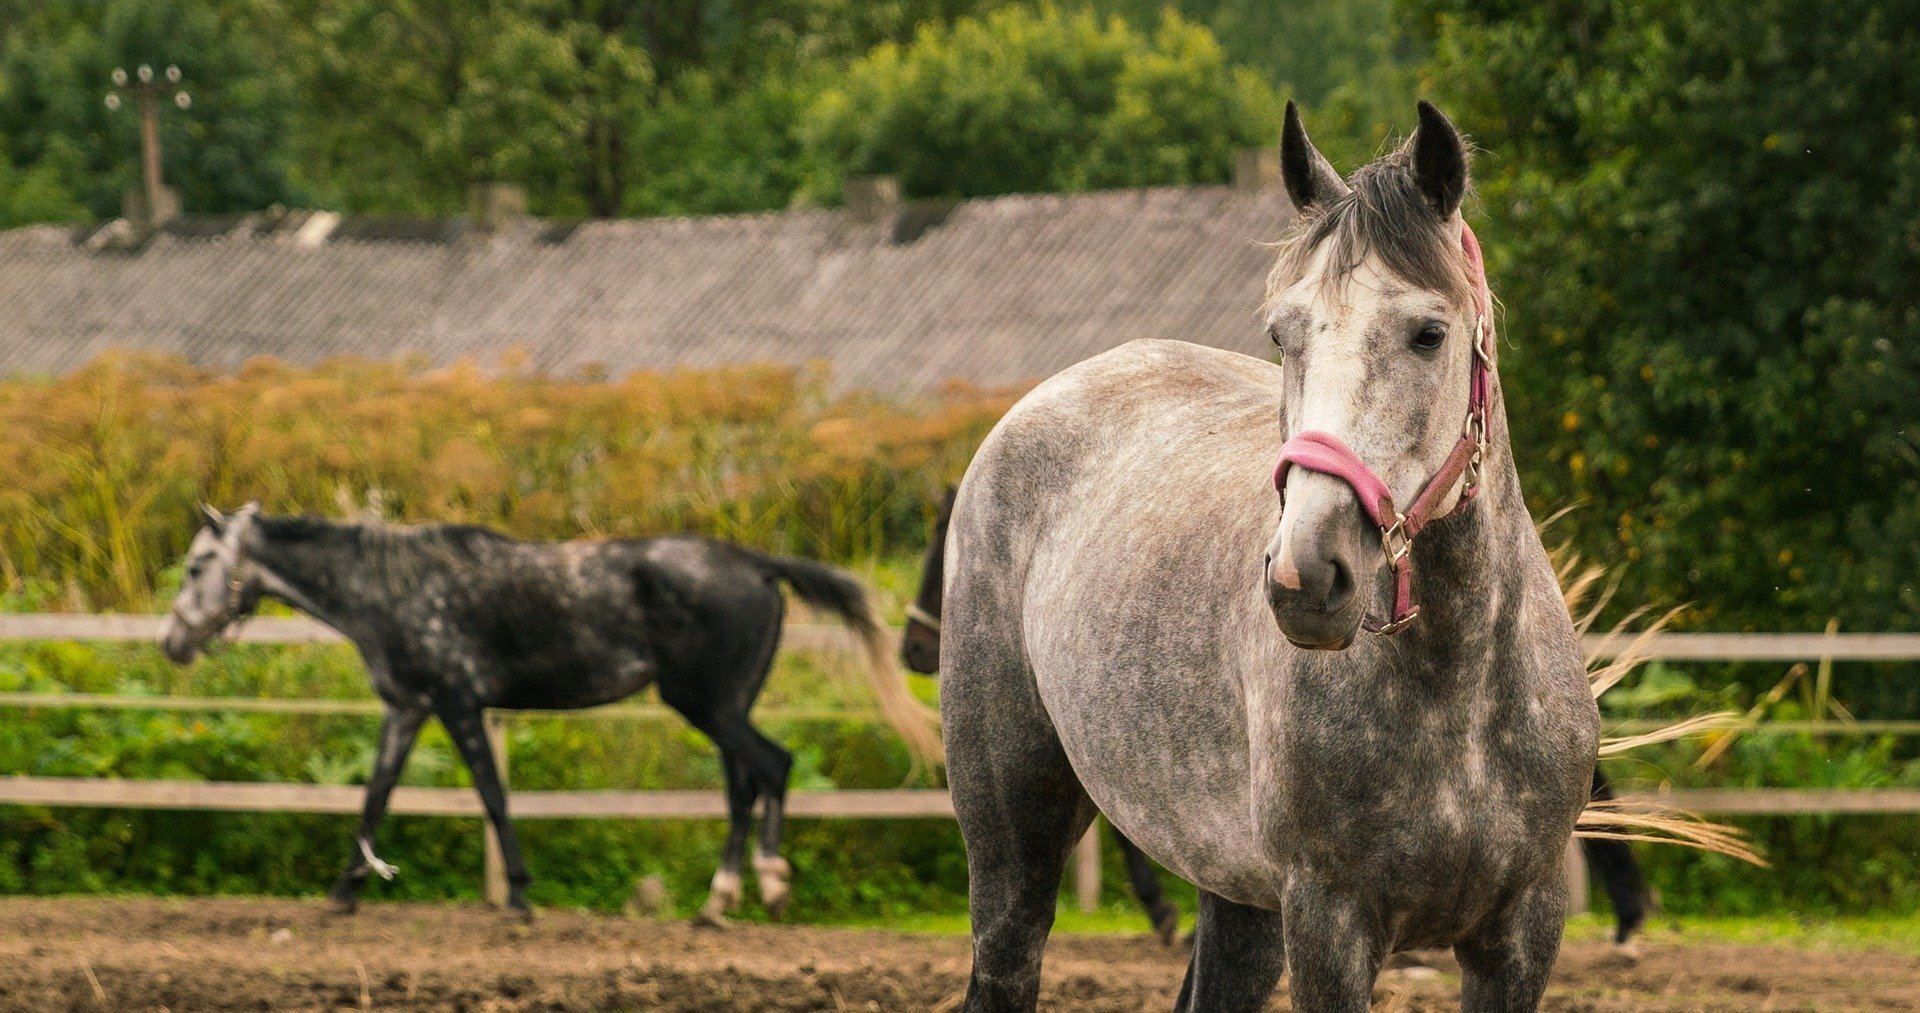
(342, 905)
(1166, 922)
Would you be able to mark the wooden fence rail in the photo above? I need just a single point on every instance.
(855, 804)
(813, 636)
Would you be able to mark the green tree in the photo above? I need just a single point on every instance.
(1705, 221)
(406, 103)
(1047, 100)
(225, 153)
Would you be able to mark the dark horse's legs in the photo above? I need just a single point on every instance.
(757, 768)
(1238, 955)
(716, 700)
(1145, 879)
(398, 730)
(1619, 873)
(467, 725)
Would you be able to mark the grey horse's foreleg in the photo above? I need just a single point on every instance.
(1333, 953)
(1505, 963)
(1145, 879)
(466, 723)
(1021, 810)
(398, 730)
(1239, 954)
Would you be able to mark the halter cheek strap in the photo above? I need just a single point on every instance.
(1326, 454)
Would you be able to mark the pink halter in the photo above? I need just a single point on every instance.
(1325, 453)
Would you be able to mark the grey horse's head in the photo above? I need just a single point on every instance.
(1372, 304)
(217, 588)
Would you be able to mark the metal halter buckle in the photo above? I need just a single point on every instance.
(1477, 431)
(1395, 541)
(1392, 626)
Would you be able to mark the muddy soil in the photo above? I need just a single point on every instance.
(231, 954)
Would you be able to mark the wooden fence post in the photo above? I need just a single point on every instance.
(1086, 868)
(1578, 902)
(496, 867)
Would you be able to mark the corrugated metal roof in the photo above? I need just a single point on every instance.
(1001, 291)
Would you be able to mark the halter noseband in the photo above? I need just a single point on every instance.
(1326, 454)
(237, 577)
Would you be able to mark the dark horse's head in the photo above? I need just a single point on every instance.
(218, 587)
(1375, 306)
(920, 645)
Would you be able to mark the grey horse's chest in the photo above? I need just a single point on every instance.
(1431, 807)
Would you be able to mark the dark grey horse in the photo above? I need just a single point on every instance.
(1114, 642)
(453, 620)
(920, 649)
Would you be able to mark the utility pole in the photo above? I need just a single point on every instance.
(146, 90)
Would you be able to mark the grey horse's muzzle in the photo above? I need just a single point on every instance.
(1319, 567)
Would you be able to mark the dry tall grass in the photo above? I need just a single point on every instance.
(1588, 592)
(101, 469)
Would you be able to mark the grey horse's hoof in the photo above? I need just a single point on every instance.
(711, 916)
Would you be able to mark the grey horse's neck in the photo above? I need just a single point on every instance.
(1471, 571)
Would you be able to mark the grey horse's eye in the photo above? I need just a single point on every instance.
(1430, 335)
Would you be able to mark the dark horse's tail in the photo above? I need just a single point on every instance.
(836, 591)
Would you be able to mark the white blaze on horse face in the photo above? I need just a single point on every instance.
(1333, 354)
(203, 588)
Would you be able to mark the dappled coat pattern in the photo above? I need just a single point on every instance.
(452, 620)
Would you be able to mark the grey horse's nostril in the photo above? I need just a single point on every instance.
(1326, 584)
(1341, 588)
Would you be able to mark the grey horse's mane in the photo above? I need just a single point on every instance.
(1385, 213)
(397, 556)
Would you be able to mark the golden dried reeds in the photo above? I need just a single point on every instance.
(1587, 591)
(102, 467)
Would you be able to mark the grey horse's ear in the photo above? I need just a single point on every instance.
(1439, 161)
(1309, 176)
(215, 519)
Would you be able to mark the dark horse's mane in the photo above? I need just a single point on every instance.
(397, 554)
(1383, 212)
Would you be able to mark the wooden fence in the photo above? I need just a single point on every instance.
(845, 804)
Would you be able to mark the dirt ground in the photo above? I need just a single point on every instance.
(127, 954)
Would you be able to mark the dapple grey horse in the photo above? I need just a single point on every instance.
(1134, 624)
(451, 620)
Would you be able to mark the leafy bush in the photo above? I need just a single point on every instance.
(1022, 100)
(1702, 218)
(846, 867)
(1820, 864)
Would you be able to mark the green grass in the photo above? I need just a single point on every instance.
(1899, 933)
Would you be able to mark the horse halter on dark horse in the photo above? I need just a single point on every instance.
(1328, 455)
(241, 596)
